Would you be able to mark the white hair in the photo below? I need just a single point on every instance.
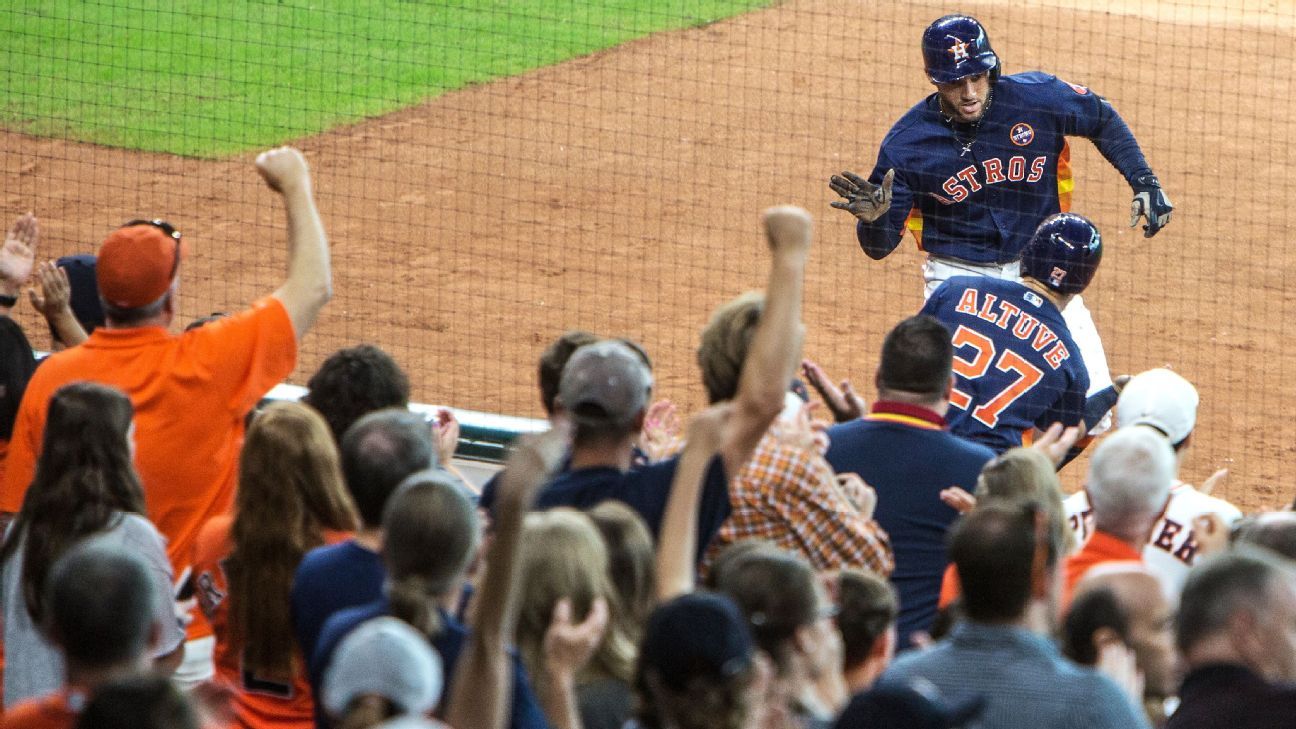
(1129, 482)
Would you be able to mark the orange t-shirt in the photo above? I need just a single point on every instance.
(1101, 548)
(258, 703)
(191, 393)
(47, 712)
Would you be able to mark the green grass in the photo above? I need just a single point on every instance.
(209, 78)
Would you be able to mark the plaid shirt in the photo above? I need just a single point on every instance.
(788, 494)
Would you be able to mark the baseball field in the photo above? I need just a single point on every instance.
(492, 173)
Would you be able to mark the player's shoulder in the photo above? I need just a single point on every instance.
(912, 121)
(1185, 498)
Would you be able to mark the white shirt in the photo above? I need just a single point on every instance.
(1172, 550)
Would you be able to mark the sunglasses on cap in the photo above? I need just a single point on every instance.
(166, 228)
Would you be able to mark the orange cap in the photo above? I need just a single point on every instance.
(137, 264)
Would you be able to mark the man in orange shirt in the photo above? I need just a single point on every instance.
(1128, 488)
(191, 392)
(102, 607)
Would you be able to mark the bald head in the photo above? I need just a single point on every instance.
(1129, 482)
(1149, 615)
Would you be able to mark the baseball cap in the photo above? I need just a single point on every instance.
(698, 634)
(137, 263)
(605, 383)
(386, 657)
(915, 704)
(85, 303)
(1162, 399)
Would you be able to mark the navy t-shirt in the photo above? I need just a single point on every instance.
(644, 489)
(525, 712)
(907, 456)
(330, 579)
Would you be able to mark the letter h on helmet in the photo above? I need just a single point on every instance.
(956, 46)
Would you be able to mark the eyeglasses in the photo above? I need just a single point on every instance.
(170, 232)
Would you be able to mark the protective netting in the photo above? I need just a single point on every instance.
(491, 174)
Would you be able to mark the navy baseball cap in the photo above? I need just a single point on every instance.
(701, 634)
(85, 303)
(915, 704)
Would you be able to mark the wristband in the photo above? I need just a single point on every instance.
(8, 301)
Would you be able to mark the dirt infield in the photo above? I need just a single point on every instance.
(620, 193)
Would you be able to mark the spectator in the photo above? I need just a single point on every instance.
(566, 565)
(1148, 619)
(1007, 561)
(55, 302)
(191, 392)
(1095, 625)
(630, 566)
(1164, 401)
(552, 362)
(790, 618)
(84, 295)
(698, 667)
(1128, 486)
(84, 469)
(1273, 530)
(787, 493)
(1236, 630)
(383, 669)
(290, 497)
(605, 389)
(102, 616)
(354, 382)
(866, 618)
(17, 266)
(139, 702)
(902, 449)
(378, 452)
(916, 705)
(17, 364)
(1020, 476)
(430, 535)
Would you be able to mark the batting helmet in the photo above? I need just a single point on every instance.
(1063, 254)
(956, 46)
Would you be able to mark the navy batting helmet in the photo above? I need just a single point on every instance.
(1064, 253)
(956, 46)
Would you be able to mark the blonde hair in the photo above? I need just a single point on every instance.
(725, 342)
(1022, 475)
(563, 557)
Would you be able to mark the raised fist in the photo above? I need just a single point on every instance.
(283, 168)
(788, 228)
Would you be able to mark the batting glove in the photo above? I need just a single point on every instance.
(1150, 202)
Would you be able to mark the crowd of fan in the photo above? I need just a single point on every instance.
(175, 558)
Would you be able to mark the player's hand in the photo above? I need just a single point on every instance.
(1211, 533)
(284, 169)
(18, 254)
(788, 229)
(844, 403)
(1151, 203)
(864, 200)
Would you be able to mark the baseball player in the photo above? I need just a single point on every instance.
(972, 169)
(1016, 365)
(1166, 402)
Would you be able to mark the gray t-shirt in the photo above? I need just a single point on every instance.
(34, 667)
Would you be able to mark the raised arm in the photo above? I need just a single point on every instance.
(483, 684)
(776, 345)
(54, 302)
(309, 284)
(677, 546)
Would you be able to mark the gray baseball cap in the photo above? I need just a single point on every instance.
(386, 657)
(605, 383)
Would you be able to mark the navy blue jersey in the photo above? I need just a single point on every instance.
(1015, 364)
(977, 192)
